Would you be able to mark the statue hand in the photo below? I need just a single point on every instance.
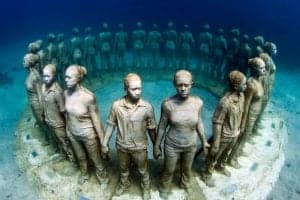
(104, 153)
(214, 150)
(205, 148)
(157, 152)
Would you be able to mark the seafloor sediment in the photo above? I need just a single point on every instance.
(54, 178)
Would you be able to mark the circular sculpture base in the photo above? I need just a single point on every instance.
(53, 177)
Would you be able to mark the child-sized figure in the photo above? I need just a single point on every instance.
(133, 117)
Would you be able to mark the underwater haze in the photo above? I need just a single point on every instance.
(22, 22)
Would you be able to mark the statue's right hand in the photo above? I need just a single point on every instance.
(104, 149)
(157, 152)
(214, 149)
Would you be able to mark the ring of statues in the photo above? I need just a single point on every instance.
(69, 118)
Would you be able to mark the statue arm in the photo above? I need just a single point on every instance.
(110, 127)
(163, 124)
(218, 121)
(94, 113)
(151, 126)
(248, 98)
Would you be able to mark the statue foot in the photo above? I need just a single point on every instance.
(208, 180)
(146, 194)
(120, 189)
(83, 178)
(224, 171)
(235, 164)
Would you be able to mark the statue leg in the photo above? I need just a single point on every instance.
(141, 160)
(171, 159)
(64, 144)
(124, 164)
(92, 147)
(187, 159)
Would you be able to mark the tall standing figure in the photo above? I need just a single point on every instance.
(83, 123)
(180, 115)
(105, 47)
(133, 117)
(120, 46)
(138, 42)
(171, 39)
(54, 111)
(226, 126)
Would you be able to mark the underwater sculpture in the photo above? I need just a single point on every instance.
(253, 105)
(89, 50)
(205, 48)
(84, 126)
(120, 46)
(52, 51)
(133, 117)
(76, 48)
(219, 52)
(62, 57)
(54, 110)
(181, 115)
(104, 45)
(154, 41)
(226, 127)
(171, 40)
(186, 43)
(258, 45)
(138, 41)
(245, 53)
(33, 85)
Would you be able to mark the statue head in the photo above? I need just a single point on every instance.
(88, 30)
(139, 24)
(183, 81)
(75, 31)
(33, 47)
(270, 48)
(60, 37)
(257, 66)
(133, 86)
(121, 26)
(49, 73)
(220, 31)
(30, 60)
(237, 81)
(245, 38)
(270, 66)
(170, 24)
(155, 26)
(235, 32)
(259, 40)
(74, 75)
(51, 37)
(186, 26)
(206, 27)
(105, 26)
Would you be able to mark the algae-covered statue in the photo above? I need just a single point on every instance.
(253, 100)
(89, 50)
(138, 42)
(52, 51)
(181, 115)
(54, 110)
(120, 46)
(171, 39)
(133, 117)
(226, 127)
(220, 49)
(83, 124)
(186, 42)
(76, 47)
(33, 85)
(205, 47)
(153, 44)
(105, 47)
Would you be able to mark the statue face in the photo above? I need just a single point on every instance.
(134, 90)
(48, 76)
(71, 78)
(261, 69)
(242, 86)
(183, 86)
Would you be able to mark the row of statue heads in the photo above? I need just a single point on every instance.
(71, 122)
(211, 51)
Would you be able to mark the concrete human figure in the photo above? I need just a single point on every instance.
(205, 48)
(133, 117)
(171, 40)
(219, 54)
(83, 124)
(258, 43)
(62, 57)
(35, 48)
(180, 116)
(42, 55)
(232, 55)
(33, 85)
(226, 126)
(154, 41)
(138, 41)
(105, 47)
(270, 48)
(253, 100)
(186, 43)
(54, 110)
(76, 47)
(52, 50)
(245, 53)
(120, 46)
(89, 50)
